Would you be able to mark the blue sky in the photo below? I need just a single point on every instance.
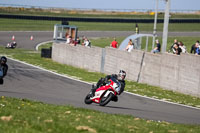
(108, 4)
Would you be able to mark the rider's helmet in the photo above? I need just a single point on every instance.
(121, 75)
(3, 60)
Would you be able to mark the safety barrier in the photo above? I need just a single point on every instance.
(172, 72)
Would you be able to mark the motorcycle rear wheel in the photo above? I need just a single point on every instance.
(106, 100)
(87, 99)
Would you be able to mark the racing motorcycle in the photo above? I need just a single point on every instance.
(104, 94)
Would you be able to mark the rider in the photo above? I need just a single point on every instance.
(3, 68)
(120, 77)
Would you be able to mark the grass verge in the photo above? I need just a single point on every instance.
(24, 116)
(39, 25)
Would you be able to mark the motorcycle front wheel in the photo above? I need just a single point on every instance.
(106, 100)
(87, 99)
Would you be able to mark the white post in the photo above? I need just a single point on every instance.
(155, 23)
(165, 27)
(55, 33)
(147, 41)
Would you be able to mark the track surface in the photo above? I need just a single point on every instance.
(24, 81)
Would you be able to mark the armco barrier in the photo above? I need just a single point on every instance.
(172, 72)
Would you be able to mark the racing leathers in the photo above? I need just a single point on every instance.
(3, 72)
(104, 81)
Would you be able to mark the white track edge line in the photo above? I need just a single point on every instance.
(91, 84)
(38, 45)
(49, 71)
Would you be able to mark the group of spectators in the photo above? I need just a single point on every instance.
(129, 47)
(84, 42)
(178, 47)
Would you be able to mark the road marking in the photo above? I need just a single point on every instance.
(38, 45)
(65, 76)
(72, 78)
(25, 69)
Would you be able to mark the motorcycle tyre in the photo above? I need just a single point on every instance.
(87, 99)
(107, 100)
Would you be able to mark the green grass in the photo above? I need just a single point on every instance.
(25, 116)
(39, 25)
(46, 45)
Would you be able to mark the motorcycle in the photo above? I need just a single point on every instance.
(104, 94)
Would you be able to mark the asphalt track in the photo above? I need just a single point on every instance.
(25, 81)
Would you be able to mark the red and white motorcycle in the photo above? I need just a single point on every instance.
(104, 94)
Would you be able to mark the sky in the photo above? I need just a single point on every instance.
(108, 4)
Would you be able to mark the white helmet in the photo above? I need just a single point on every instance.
(121, 75)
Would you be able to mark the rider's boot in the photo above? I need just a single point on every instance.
(1, 81)
(92, 92)
(115, 98)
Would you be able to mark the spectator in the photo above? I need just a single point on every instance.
(69, 39)
(78, 41)
(129, 47)
(182, 46)
(83, 40)
(157, 48)
(194, 47)
(176, 49)
(114, 43)
(87, 43)
(175, 42)
(197, 50)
